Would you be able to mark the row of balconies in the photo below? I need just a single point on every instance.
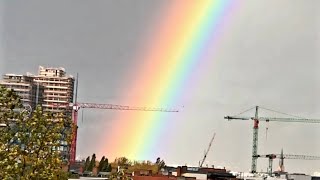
(57, 84)
(57, 100)
(62, 95)
(52, 107)
(8, 83)
(57, 91)
(48, 80)
(57, 87)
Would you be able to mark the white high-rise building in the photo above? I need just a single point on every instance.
(52, 88)
(58, 89)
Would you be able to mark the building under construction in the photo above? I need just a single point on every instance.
(57, 89)
(23, 85)
(51, 88)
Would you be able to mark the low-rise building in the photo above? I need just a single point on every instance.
(201, 173)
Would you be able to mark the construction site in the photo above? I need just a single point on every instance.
(270, 172)
(56, 91)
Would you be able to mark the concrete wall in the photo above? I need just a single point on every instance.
(195, 175)
(299, 177)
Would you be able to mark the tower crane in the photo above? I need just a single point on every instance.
(206, 152)
(76, 106)
(256, 119)
(282, 157)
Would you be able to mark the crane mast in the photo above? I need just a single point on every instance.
(255, 141)
(73, 148)
(206, 152)
(256, 119)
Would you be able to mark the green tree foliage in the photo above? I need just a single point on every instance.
(104, 165)
(101, 163)
(92, 163)
(123, 162)
(29, 144)
(87, 163)
(109, 168)
(160, 163)
(143, 165)
(131, 166)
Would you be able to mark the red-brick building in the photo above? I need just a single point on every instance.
(185, 173)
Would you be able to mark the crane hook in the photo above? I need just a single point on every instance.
(267, 128)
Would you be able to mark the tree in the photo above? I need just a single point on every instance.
(92, 163)
(109, 168)
(87, 163)
(101, 164)
(160, 163)
(8, 150)
(29, 145)
(104, 165)
(123, 162)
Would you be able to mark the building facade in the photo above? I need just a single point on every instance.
(23, 85)
(58, 89)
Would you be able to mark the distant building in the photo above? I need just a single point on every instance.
(159, 177)
(52, 88)
(198, 173)
(147, 175)
(280, 176)
(58, 89)
(23, 85)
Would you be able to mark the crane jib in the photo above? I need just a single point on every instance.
(304, 120)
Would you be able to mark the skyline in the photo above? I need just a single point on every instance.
(251, 68)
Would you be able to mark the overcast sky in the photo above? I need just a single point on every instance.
(271, 59)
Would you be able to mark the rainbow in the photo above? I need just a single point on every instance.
(185, 37)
